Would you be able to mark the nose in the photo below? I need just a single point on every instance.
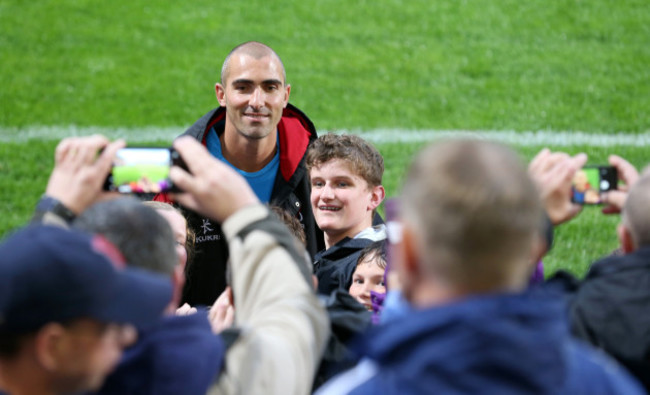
(327, 192)
(257, 98)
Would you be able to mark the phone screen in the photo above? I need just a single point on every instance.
(591, 181)
(140, 170)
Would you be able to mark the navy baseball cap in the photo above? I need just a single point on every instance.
(59, 275)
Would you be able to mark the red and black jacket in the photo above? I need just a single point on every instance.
(206, 274)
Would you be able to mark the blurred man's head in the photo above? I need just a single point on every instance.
(142, 235)
(470, 215)
(72, 308)
(634, 232)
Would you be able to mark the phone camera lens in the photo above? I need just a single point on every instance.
(604, 185)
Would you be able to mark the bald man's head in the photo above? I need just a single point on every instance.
(253, 49)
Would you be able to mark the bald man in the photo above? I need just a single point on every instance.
(257, 132)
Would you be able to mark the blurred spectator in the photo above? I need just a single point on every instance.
(179, 354)
(281, 326)
(470, 215)
(345, 173)
(71, 310)
(609, 308)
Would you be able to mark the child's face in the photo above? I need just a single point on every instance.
(342, 201)
(368, 276)
(179, 226)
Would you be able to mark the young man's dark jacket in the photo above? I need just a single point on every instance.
(206, 274)
(334, 267)
(610, 310)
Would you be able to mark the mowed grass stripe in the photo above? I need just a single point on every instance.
(378, 136)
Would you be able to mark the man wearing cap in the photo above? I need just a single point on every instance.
(72, 307)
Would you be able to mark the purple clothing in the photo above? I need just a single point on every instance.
(538, 274)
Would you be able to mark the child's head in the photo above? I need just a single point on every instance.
(369, 273)
(345, 173)
(182, 232)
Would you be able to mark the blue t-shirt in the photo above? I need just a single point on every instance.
(261, 181)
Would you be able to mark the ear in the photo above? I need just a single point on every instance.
(409, 251)
(221, 94)
(405, 260)
(377, 195)
(50, 345)
(287, 93)
(625, 238)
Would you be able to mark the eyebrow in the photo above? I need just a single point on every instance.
(250, 82)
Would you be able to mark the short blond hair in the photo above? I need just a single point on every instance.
(475, 212)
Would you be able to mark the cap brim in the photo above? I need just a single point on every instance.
(140, 298)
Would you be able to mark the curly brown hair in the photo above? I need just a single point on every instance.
(363, 158)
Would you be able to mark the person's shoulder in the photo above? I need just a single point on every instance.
(592, 371)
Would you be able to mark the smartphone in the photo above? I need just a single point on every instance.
(590, 182)
(138, 170)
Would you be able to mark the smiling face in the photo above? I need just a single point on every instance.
(342, 201)
(368, 276)
(254, 95)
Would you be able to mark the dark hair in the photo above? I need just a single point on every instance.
(374, 250)
(292, 223)
(143, 236)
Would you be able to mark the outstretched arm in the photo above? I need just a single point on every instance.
(283, 326)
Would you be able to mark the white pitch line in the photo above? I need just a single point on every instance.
(539, 138)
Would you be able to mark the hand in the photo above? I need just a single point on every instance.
(79, 173)
(211, 187)
(185, 309)
(222, 312)
(615, 199)
(553, 173)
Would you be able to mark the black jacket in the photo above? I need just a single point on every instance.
(611, 310)
(334, 267)
(206, 274)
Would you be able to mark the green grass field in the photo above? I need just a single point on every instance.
(502, 65)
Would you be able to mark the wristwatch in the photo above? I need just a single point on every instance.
(48, 204)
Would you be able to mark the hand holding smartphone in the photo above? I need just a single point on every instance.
(140, 170)
(590, 182)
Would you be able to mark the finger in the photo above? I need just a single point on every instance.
(578, 161)
(538, 159)
(104, 163)
(182, 179)
(574, 211)
(615, 198)
(229, 317)
(90, 146)
(63, 149)
(193, 153)
(626, 171)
